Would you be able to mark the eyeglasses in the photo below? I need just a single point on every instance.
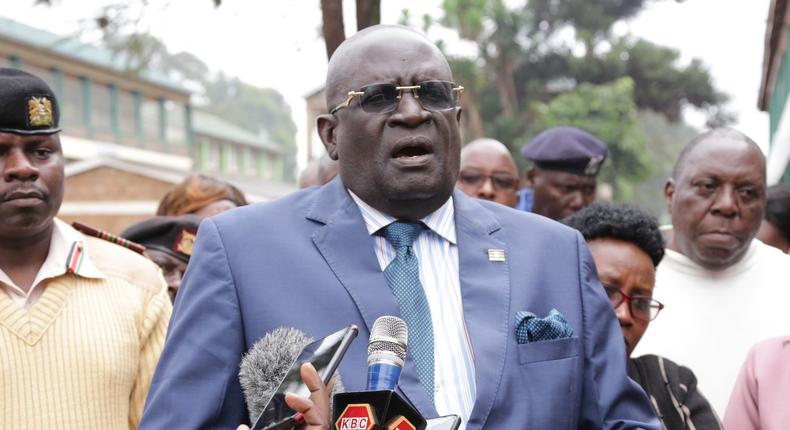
(642, 308)
(501, 181)
(384, 98)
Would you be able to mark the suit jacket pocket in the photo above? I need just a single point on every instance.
(546, 350)
(551, 379)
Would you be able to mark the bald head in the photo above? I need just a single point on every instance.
(349, 61)
(488, 172)
(716, 198)
(720, 137)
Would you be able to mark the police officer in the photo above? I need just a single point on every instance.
(82, 320)
(562, 178)
(168, 242)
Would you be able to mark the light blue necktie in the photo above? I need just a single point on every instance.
(403, 276)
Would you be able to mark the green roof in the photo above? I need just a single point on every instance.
(72, 47)
(213, 126)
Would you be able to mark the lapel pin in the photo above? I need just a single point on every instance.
(496, 255)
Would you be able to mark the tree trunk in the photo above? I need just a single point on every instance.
(333, 27)
(473, 126)
(368, 13)
(505, 84)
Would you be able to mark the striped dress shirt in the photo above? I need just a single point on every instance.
(437, 253)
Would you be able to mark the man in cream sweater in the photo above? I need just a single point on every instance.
(722, 289)
(82, 320)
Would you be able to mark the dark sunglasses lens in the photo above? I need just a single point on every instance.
(471, 179)
(504, 182)
(379, 98)
(437, 95)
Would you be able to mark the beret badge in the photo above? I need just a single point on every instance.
(39, 111)
(185, 242)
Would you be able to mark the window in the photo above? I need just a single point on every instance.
(71, 106)
(127, 126)
(176, 127)
(150, 118)
(102, 112)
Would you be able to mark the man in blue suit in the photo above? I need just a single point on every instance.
(509, 327)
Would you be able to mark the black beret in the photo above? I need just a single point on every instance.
(567, 149)
(27, 104)
(173, 235)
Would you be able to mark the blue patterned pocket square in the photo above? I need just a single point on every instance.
(531, 328)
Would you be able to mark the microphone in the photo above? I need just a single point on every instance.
(386, 352)
(265, 365)
(380, 407)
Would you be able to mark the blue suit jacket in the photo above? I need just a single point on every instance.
(307, 261)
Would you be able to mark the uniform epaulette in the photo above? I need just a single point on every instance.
(101, 234)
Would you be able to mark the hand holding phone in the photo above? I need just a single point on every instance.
(324, 355)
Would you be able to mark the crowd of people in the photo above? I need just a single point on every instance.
(528, 301)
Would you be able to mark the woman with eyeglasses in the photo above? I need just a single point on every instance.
(627, 246)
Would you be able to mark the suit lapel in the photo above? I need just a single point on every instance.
(485, 290)
(347, 248)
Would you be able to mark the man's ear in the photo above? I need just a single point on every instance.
(326, 125)
(530, 177)
(669, 192)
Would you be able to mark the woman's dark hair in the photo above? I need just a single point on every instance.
(777, 209)
(620, 221)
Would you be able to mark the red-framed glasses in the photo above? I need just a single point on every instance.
(642, 308)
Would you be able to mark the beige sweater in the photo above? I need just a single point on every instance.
(82, 357)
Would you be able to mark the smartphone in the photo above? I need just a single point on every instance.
(449, 422)
(325, 355)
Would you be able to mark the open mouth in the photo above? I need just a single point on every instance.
(412, 149)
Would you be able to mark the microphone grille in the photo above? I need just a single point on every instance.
(389, 334)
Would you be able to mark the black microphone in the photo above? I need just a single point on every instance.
(264, 366)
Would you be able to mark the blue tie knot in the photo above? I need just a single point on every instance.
(402, 234)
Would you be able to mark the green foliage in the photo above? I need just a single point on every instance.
(664, 139)
(528, 76)
(256, 109)
(607, 111)
(590, 18)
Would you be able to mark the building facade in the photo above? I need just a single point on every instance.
(775, 90)
(127, 138)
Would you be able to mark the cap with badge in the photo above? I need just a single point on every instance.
(173, 235)
(27, 104)
(566, 149)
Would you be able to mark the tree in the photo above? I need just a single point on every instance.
(607, 111)
(333, 28)
(529, 74)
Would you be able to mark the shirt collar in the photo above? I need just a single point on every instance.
(67, 253)
(66, 249)
(441, 221)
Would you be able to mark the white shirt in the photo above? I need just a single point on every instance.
(712, 318)
(437, 254)
(61, 247)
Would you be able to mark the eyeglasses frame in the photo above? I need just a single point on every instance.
(490, 177)
(412, 88)
(628, 299)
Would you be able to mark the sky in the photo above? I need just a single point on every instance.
(277, 44)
